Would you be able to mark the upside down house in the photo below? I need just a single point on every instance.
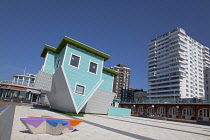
(75, 79)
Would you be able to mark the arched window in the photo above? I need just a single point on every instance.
(133, 110)
(187, 112)
(173, 111)
(150, 110)
(205, 112)
(161, 110)
(141, 110)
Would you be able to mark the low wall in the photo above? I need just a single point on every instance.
(116, 111)
(6, 121)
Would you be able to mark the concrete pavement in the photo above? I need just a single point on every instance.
(99, 127)
(6, 120)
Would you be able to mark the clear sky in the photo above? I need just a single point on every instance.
(120, 28)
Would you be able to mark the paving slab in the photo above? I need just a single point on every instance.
(102, 127)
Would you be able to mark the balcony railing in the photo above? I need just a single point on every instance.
(17, 83)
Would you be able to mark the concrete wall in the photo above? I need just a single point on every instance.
(115, 111)
(99, 102)
(60, 97)
(43, 81)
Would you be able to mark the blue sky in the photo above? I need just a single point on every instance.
(120, 28)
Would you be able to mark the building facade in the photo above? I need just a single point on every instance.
(193, 111)
(75, 79)
(207, 84)
(121, 82)
(136, 95)
(176, 63)
(21, 89)
(140, 96)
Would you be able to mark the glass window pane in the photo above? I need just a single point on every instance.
(58, 63)
(93, 67)
(74, 60)
(80, 89)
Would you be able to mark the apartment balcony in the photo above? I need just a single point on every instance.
(164, 60)
(164, 90)
(178, 61)
(206, 66)
(152, 54)
(174, 35)
(177, 70)
(181, 40)
(181, 56)
(161, 73)
(163, 65)
(176, 53)
(152, 68)
(179, 74)
(205, 51)
(178, 47)
(207, 48)
(206, 57)
(165, 86)
(152, 60)
(182, 48)
(206, 62)
(151, 75)
(152, 63)
(167, 81)
(152, 79)
(164, 95)
(152, 45)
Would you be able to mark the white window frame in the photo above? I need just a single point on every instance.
(96, 67)
(80, 86)
(78, 62)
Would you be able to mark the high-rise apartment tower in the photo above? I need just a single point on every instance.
(121, 82)
(176, 63)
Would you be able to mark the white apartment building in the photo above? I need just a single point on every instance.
(176, 63)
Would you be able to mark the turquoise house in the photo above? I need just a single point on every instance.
(75, 79)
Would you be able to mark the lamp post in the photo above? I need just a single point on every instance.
(134, 108)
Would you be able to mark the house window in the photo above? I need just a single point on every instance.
(93, 67)
(74, 60)
(80, 89)
(58, 63)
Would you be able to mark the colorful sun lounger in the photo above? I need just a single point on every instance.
(43, 125)
(49, 125)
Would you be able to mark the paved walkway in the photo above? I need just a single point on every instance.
(102, 127)
(6, 122)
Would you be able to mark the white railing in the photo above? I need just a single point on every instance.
(17, 83)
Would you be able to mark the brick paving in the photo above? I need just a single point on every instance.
(2, 104)
(99, 127)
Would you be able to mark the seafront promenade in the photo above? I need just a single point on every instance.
(99, 127)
